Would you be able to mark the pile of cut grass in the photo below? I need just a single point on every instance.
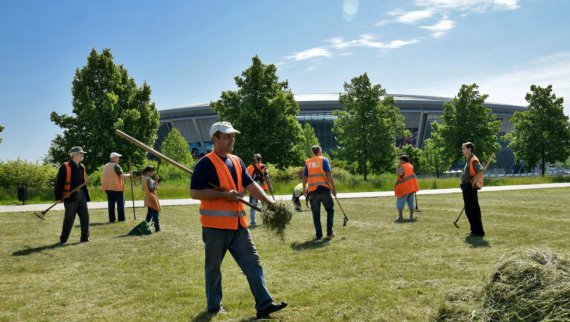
(277, 218)
(529, 285)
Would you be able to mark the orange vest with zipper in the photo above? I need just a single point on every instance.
(407, 183)
(315, 171)
(111, 181)
(150, 197)
(67, 186)
(223, 213)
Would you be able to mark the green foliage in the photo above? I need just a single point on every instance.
(16, 172)
(308, 139)
(414, 154)
(105, 98)
(264, 111)
(1, 130)
(465, 119)
(176, 148)
(542, 132)
(366, 130)
(432, 158)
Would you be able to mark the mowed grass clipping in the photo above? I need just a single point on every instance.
(373, 270)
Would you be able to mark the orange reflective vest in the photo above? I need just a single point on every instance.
(472, 171)
(407, 183)
(150, 197)
(223, 213)
(263, 169)
(67, 186)
(111, 181)
(315, 170)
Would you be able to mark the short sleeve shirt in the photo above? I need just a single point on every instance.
(205, 172)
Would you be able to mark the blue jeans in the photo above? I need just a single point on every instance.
(324, 196)
(153, 214)
(216, 243)
(253, 201)
(112, 198)
(401, 202)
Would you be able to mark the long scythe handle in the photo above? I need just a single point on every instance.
(60, 200)
(132, 189)
(172, 162)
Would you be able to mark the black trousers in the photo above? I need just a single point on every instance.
(324, 196)
(119, 198)
(79, 207)
(472, 209)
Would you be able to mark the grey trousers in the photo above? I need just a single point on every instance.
(79, 207)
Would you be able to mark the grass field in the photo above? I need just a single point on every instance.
(373, 270)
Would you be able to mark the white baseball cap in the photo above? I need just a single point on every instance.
(224, 127)
(115, 155)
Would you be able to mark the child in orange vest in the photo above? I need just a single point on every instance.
(149, 186)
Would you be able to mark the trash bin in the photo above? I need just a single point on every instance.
(23, 194)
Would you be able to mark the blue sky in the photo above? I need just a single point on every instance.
(189, 51)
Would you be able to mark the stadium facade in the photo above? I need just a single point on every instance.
(419, 111)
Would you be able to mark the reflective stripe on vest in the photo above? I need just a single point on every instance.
(316, 172)
(406, 183)
(472, 171)
(67, 185)
(110, 180)
(223, 213)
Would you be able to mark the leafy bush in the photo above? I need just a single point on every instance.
(17, 172)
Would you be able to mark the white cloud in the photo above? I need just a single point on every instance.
(411, 17)
(511, 87)
(401, 43)
(368, 41)
(441, 27)
(467, 6)
(382, 23)
(310, 53)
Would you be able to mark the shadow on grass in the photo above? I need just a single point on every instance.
(40, 249)
(204, 316)
(476, 241)
(310, 244)
(405, 221)
(93, 224)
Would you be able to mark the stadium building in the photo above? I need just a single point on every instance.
(419, 111)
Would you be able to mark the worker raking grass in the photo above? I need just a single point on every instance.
(277, 218)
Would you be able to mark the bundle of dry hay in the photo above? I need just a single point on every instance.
(277, 219)
(531, 285)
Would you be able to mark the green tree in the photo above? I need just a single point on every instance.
(176, 148)
(542, 132)
(264, 110)
(367, 128)
(308, 140)
(465, 119)
(414, 154)
(105, 98)
(1, 129)
(433, 157)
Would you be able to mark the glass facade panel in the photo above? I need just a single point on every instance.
(322, 123)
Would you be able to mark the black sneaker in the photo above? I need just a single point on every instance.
(274, 307)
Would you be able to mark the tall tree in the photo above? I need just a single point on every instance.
(105, 98)
(414, 155)
(542, 132)
(367, 128)
(1, 129)
(433, 157)
(176, 148)
(264, 110)
(308, 140)
(465, 119)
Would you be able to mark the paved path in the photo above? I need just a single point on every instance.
(375, 194)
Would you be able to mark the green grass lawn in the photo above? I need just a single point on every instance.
(373, 270)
